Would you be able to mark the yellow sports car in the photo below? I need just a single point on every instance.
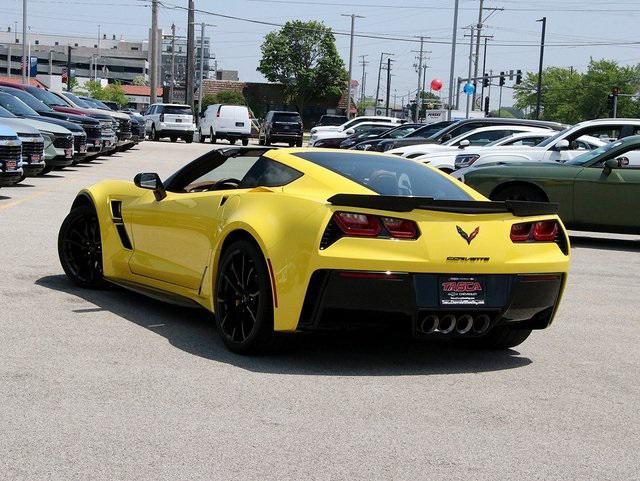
(282, 240)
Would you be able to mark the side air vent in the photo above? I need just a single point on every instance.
(116, 210)
(124, 237)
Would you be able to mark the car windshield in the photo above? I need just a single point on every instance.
(48, 98)
(286, 117)
(388, 175)
(592, 154)
(15, 106)
(29, 100)
(78, 101)
(551, 140)
(4, 113)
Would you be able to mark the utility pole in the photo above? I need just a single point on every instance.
(191, 67)
(353, 23)
(470, 64)
(95, 67)
(172, 76)
(539, 94)
(69, 68)
(9, 60)
(201, 83)
(364, 63)
(479, 33)
(382, 54)
(419, 80)
(50, 62)
(388, 86)
(484, 67)
(153, 49)
(453, 57)
(24, 41)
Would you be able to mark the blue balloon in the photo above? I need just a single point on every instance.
(469, 89)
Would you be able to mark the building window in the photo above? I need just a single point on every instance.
(135, 48)
(17, 40)
(57, 43)
(95, 45)
(75, 44)
(37, 42)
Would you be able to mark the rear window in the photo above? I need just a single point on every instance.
(388, 175)
(286, 117)
(176, 110)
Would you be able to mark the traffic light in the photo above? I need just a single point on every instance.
(502, 79)
(485, 80)
(518, 77)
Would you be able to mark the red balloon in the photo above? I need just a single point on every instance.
(436, 84)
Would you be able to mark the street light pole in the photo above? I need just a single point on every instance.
(453, 57)
(153, 64)
(418, 93)
(201, 83)
(191, 67)
(539, 94)
(173, 62)
(353, 22)
(24, 41)
(382, 54)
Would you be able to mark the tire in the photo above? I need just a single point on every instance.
(80, 248)
(213, 137)
(154, 134)
(46, 170)
(291, 144)
(522, 192)
(260, 140)
(189, 139)
(267, 140)
(201, 137)
(245, 142)
(232, 141)
(174, 139)
(244, 301)
(501, 337)
(299, 143)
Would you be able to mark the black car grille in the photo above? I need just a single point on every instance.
(10, 152)
(79, 142)
(93, 132)
(32, 148)
(62, 141)
(125, 125)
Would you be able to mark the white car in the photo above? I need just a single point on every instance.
(225, 122)
(343, 134)
(355, 121)
(563, 146)
(476, 137)
(446, 160)
(169, 120)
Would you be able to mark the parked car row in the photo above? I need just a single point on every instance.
(42, 130)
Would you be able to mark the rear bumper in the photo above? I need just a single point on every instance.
(285, 136)
(233, 135)
(339, 299)
(175, 127)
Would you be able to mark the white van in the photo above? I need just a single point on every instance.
(229, 122)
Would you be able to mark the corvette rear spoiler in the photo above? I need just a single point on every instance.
(407, 204)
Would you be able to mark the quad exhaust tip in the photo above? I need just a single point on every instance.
(464, 324)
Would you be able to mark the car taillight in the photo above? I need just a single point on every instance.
(368, 225)
(465, 160)
(358, 225)
(543, 231)
(400, 228)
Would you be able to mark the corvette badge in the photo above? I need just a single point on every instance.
(468, 237)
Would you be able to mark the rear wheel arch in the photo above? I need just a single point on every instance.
(522, 185)
(83, 199)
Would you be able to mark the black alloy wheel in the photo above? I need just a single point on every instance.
(244, 305)
(80, 248)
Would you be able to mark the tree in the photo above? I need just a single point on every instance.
(569, 96)
(140, 80)
(303, 57)
(230, 97)
(112, 92)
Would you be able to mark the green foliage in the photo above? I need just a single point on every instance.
(140, 80)
(507, 113)
(304, 58)
(229, 97)
(112, 92)
(569, 96)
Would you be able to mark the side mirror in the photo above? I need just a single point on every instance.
(151, 181)
(445, 137)
(563, 144)
(609, 165)
(349, 131)
(463, 144)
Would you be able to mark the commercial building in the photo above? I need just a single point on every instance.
(180, 58)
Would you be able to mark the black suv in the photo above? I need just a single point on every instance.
(420, 136)
(281, 127)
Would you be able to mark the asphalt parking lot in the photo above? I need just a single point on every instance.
(112, 385)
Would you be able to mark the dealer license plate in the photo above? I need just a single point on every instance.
(178, 120)
(68, 153)
(107, 143)
(10, 164)
(36, 158)
(462, 291)
(239, 124)
(83, 149)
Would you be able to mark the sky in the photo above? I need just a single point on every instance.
(577, 30)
